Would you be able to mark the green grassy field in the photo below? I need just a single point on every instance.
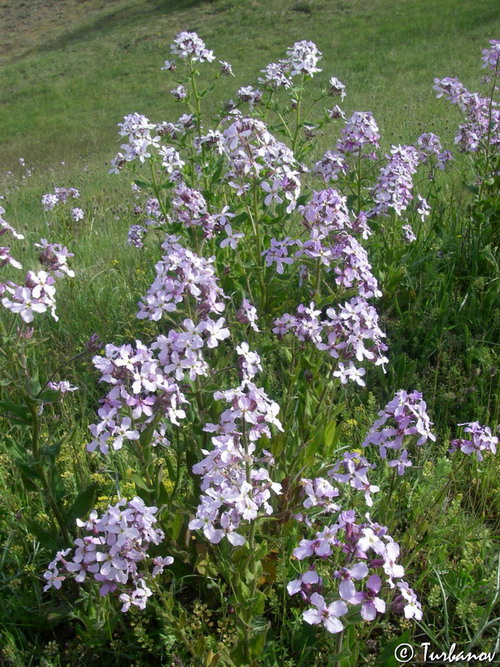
(69, 71)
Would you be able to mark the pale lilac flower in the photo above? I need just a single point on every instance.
(350, 373)
(247, 314)
(408, 602)
(226, 68)
(187, 45)
(408, 233)
(277, 253)
(337, 88)
(77, 214)
(302, 59)
(54, 257)
(327, 615)
(6, 227)
(482, 440)
(216, 331)
(347, 576)
(423, 208)
(331, 165)
(180, 93)
(491, 55)
(63, 386)
(371, 605)
(136, 234)
(404, 417)
(232, 238)
(360, 131)
(305, 584)
(118, 541)
(401, 463)
(249, 94)
(170, 65)
(49, 202)
(6, 258)
(276, 75)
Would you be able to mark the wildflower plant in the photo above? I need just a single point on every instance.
(260, 327)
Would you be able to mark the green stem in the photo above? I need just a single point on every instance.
(251, 541)
(297, 118)
(42, 475)
(338, 649)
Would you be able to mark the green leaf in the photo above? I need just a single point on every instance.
(142, 184)
(138, 481)
(21, 411)
(82, 504)
(49, 396)
(147, 435)
(386, 657)
(45, 538)
(35, 387)
(28, 484)
(177, 526)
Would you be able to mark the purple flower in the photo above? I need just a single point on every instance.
(370, 603)
(327, 615)
(187, 45)
(401, 463)
(491, 55)
(482, 440)
(360, 130)
(118, 541)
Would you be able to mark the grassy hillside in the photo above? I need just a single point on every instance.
(71, 69)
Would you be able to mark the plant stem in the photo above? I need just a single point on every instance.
(42, 475)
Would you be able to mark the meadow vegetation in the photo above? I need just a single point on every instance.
(274, 316)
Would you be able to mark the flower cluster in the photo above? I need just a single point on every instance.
(253, 152)
(63, 386)
(331, 166)
(141, 391)
(236, 486)
(181, 274)
(369, 555)
(482, 440)
(430, 148)
(320, 493)
(59, 196)
(482, 115)
(188, 46)
(114, 553)
(190, 208)
(180, 352)
(393, 189)
(491, 55)
(353, 268)
(302, 59)
(327, 220)
(7, 258)
(5, 227)
(352, 469)
(37, 293)
(360, 131)
(404, 417)
(247, 314)
(351, 334)
(54, 257)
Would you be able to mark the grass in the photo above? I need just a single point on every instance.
(71, 71)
